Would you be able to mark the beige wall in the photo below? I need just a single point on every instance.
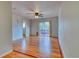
(69, 29)
(5, 27)
(34, 27)
(54, 27)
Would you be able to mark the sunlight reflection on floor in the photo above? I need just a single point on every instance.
(45, 45)
(24, 43)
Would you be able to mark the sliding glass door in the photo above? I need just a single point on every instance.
(44, 38)
(44, 29)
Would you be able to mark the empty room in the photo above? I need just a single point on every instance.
(39, 29)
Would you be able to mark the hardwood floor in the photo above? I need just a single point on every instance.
(15, 54)
(36, 47)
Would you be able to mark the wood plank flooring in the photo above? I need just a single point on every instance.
(29, 48)
(15, 54)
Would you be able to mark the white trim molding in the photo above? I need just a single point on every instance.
(5, 53)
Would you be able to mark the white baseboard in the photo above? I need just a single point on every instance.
(5, 53)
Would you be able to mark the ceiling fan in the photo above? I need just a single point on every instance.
(36, 13)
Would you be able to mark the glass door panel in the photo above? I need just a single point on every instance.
(44, 29)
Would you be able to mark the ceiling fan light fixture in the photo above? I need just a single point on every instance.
(36, 17)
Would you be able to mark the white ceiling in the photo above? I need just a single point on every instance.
(47, 8)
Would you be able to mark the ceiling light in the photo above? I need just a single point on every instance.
(36, 16)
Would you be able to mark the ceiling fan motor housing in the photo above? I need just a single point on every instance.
(36, 14)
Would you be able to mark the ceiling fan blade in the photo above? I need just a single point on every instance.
(41, 15)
